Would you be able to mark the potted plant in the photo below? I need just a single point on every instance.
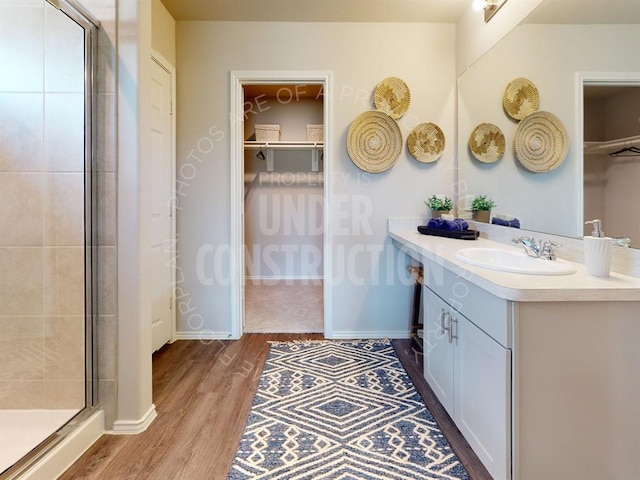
(439, 205)
(481, 208)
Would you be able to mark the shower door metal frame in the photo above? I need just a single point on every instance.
(90, 25)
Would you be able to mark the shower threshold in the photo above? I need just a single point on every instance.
(23, 430)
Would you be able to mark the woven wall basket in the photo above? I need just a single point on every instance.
(520, 98)
(392, 96)
(541, 142)
(487, 143)
(426, 142)
(374, 141)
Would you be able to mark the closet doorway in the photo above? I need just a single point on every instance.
(611, 152)
(280, 141)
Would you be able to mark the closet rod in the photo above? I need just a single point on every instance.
(285, 179)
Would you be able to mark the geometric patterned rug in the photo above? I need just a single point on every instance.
(340, 410)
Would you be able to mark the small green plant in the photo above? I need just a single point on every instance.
(482, 203)
(439, 204)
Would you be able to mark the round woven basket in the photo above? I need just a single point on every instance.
(426, 142)
(520, 98)
(374, 141)
(541, 142)
(487, 143)
(392, 96)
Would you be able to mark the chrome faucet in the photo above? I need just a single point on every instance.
(529, 244)
(621, 242)
(547, 251)
(537, 249)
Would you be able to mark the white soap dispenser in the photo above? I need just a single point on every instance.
(597, 251)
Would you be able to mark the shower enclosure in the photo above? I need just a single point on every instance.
(46, 323)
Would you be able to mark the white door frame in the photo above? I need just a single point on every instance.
(164, 63)
(612, 79)
(236, 117)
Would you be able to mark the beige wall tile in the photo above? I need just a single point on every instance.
(64, 348)
(22, 204)
(64, 47)
(106, 56)
(21, 132)
(22, 54)
(107, 329)
(108, 395)
(21, 281)
(65, 209)
(23, 394)
(106, 136)
(107, 281)
(106, 208)
(64, 394)
(64, 281)
(21, 352)
(64, 132)
(26, 354)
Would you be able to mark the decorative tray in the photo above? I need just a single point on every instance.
(459, 234)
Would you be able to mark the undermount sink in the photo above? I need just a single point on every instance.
(512, 261)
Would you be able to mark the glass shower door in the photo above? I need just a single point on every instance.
(45, 223)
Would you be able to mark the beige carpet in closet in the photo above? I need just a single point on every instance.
(285, 306)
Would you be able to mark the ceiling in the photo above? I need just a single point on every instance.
(602, 91)
(585, 12)
(445, 11)
(422, 11)
(285, 92)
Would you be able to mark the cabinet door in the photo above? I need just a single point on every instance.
(438, 352)
(483, 395)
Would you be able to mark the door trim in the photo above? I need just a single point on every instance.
(236, 114)
(170, 69)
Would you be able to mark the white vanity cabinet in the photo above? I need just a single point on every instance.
(543, 378)
(470, 373)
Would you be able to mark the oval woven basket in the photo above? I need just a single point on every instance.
(392, 96)
(541, 142)
(374, 141)
(426, 142)
(520, 98)
(487, 143)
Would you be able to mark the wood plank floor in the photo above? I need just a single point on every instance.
(203, 394)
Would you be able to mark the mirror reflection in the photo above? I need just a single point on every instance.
(612, 160)
(552, 52)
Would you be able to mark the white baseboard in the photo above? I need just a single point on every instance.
(204, 335)
(364, 335)
(133, 427)
(348, 335)
(312, 278)
(63, 455)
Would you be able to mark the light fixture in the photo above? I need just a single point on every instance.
(490, 7)
(478, 5)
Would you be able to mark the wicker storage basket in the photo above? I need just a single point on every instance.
(267, 133)
(315, 133)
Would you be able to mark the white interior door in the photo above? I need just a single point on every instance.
(161, 207)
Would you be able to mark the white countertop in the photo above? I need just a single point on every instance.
(578, 287)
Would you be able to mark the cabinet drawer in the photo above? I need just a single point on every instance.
(488, 312)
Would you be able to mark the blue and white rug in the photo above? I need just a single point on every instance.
(340, 410)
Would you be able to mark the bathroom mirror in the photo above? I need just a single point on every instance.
(556, 47)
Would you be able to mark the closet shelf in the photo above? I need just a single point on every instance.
(610, 146)
(313, 147)
(281, 145)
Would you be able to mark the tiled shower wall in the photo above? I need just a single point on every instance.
(41, 209)
(41, 199)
